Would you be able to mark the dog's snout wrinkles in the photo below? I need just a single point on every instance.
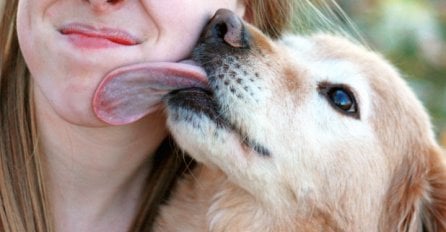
(226, 27)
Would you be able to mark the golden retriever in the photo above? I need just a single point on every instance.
(304, 133)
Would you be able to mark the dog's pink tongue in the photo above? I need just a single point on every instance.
(130, 93)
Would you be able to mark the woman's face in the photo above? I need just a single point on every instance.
(70, 45)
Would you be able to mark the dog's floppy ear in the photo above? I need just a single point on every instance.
(416, 200)
(434, 204)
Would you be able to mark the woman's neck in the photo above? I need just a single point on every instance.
(96, 174)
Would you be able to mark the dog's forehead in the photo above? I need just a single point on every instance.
(308, 54)
(298, 45)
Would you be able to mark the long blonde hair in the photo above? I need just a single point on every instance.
(23, 200)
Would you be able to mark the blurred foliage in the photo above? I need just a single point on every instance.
(412, 35)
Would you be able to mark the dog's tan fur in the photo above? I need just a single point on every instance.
(327, 171)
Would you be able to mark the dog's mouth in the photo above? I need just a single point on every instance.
(201, 101)
(223, 39)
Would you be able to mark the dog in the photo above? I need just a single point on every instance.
(301, 133)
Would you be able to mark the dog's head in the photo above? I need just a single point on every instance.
(312, 123)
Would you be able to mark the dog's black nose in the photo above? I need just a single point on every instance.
(226, 27)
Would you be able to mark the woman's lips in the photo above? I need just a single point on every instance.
(87, 36)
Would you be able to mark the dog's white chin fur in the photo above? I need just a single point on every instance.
(325, 171)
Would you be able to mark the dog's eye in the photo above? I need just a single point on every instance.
(341, 98)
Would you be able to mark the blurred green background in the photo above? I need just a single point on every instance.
(412, 35)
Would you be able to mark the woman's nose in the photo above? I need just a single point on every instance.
(104, 5)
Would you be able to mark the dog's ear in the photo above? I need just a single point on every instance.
(416, 200)
(434, 204)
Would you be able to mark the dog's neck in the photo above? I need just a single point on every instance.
(210, 202)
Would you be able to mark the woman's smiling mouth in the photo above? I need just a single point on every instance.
(86, 36)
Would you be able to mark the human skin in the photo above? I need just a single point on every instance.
(96, 171)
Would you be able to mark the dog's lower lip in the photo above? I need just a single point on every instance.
(198, 97)
(198, 100)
